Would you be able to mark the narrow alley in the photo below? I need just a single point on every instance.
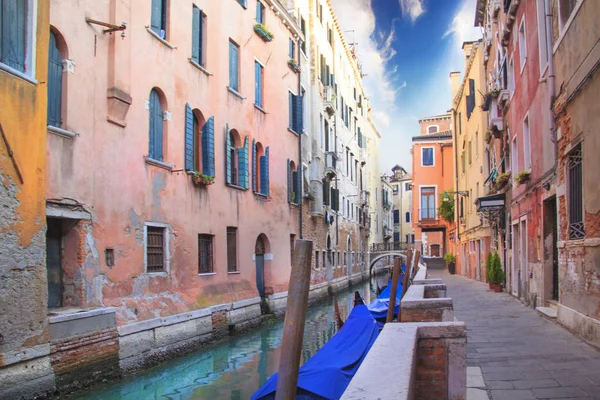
(521, 354)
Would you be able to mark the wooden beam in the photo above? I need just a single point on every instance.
(393, 290)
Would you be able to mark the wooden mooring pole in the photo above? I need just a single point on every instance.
(393, 290)
(295, 317)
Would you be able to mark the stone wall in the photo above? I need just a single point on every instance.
(424, 303)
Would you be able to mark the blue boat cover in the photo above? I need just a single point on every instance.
(327, 374)
(379, 306)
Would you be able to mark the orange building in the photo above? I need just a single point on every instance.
(433, 171)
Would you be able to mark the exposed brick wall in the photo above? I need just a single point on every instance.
(220, 323)
(421, 315)
(432, 370)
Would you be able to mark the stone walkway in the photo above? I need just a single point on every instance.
(521, 355)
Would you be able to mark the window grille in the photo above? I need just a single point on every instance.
(155, 249)
(205, 254)
(231, 249)
(576, 224)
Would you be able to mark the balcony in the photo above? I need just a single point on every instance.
(331, 164)
(329, 100)
(428, 216)
(364, 198)
(387, 232)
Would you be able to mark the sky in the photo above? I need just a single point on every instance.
(408, 49)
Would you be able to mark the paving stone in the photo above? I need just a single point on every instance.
(475, 381)
(499, 385)
(560, 393)
(536, 383)
(477, 394)
(512, 395)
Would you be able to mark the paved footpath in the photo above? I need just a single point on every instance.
(521, 354)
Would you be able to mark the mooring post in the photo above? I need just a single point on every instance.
(295, 317)
(405, 283)
(393, 290)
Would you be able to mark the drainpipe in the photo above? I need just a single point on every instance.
(551, 77)
(301, 174)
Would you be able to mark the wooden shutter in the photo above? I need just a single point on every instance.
(156, 127)
(55, 71)
(297, 117)
(295, 187)
(228, 159)
(258, 84)
(156, 18)
(266, 169)
(189, 139)
(325, 191)
(233, 66)
(289, 180)
(264, 180)
(254, 165)
(208, 147)
(243, 165)
(13, 31)
(196, 29)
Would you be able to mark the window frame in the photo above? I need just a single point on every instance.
(432, 156)
(211, 257)
(60, 96)
(260, 11)
(542, 42)
(437, 128)
(202, 42)
(259, 85)
(232, 45)
(526, 143)
(229, 231)
(30, 37)
(166, 252)
(522, 44)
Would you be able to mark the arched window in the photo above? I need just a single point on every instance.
(260, 168)
(199, 142)
(433, 129)
(55, 80)
(155, 132)
(293, 183)
(237, 159)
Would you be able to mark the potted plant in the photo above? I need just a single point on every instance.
(451, 261)
(293, 64)
(496, 274)
(488, 269)
(502, 180)
(495, 92)
(264, 32)
(522, 177)
(201, 179)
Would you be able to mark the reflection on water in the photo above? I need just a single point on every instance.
(236, 368)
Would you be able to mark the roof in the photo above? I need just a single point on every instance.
(440, 116)
(444, 135)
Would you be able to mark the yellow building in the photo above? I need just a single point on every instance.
(401, 182)
(24, 352)
(472, 236)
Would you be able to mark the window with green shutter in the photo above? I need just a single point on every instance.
(158, 19)
(198, 36)
(234, 66)
(258, 84)
(155, 134)
(55, 72)
(208, 147)
(13, 34)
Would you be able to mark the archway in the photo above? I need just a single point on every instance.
(261, 248)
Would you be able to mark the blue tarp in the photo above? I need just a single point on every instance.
(326, 375)
(379, 306)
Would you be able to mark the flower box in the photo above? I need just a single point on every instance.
(202, 180)
(522, 177)
(502, 180)
(264, 33)
(293, 64)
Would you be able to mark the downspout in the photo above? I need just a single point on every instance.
(551, 77)
(301, 174)
(455, 145)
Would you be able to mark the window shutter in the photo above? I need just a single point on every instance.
(55, 70)
(155, 21)
(243, 164)
(196, 17)
(258, 84)
(254, 186)
(233, 66)
(266, 169)
(259, 12)
(336, 199)
(325, 192)
(295, 187)
(12, 34)
(263, 175)
(208, 147)
(289, 180)
(228, 159)
(297, 117)
(156, 127)
(189, 139)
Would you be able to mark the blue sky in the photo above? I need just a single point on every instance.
(408, 49)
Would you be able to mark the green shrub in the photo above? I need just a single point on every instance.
(496, 274)
(450, 258)
(488, 266)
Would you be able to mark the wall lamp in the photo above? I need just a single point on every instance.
(460, 193)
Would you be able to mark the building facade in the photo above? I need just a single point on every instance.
(387, 218)
(432, 174)
(472, 236)
(401, 182)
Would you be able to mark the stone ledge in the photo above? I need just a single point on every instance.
(29, 353)
(78, 314)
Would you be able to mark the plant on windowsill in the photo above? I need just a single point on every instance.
(264, 32)
(451, 261)
(202, 180)
(293, 198)
(496, 274)
(502, 180)
(522, 177)
(494, 92)
(293, 64)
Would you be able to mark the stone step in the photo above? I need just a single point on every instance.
(547, 312)
(553, 304)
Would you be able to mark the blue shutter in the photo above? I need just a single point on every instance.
(263, 175)
(156, 18)
(233, 66)
(259, 12)
(289, 180)
(156, 127)
(189, 139)
(258, 84)
(208, 147)
(297, 114)
(254, 187)
(243, 164)
(325, 191)
(228, 159)
(196, 16)
(13, 30)
(295, 176)
(291, 110)
(266, 189)
(55, 71)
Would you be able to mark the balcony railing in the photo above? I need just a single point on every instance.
(331, 164)
(428, 216)
(329, 100)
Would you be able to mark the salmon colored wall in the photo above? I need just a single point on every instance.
(103, 168)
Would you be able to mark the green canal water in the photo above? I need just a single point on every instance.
(235, 368)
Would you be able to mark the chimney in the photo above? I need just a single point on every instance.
(467, 47)
(455, 82)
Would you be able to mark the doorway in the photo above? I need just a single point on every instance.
(551, 284)
(54, 262)
(259, 258)
(516, 284)
(478, 259)
(435, 250)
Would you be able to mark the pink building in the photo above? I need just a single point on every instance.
(183, 87)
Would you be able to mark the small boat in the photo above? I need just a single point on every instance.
(379, 306)
(327, 374)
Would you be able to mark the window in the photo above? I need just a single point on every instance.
(428, 210)
(526, 145)
(158, 21)
(260, 171)
(543, 44)
(258, 86)
(396, 236)
(395, 189)
(576, 223)
(470, 99)
(407, 187)
(470, 153)
(476, 144)
(156, 116)
(205, 254)
(303, 29)
(237, 160)
(412, 238)
(109, 256)
(396, 216)
(260, 12)
(511, 77)
(198, 36)
(292, 49)
(199, 142)
(17, 35)
(460, 123)
(156, 248)
(432, 129)
(234, 61)
(462, 161)
(515, 157)
(406, 236)
(294, 194)
(330, 40)
(55, 82)
(320, 13)
(292, 247)
(522, 44)
(427, 157)
(295, 113)
(231, 249)
(317, 259)
(565, 8)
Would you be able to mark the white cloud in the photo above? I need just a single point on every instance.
(462, 26)
(412, 9)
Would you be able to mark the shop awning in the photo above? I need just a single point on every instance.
(491, 202)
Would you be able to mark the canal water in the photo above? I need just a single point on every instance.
(235, 368)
